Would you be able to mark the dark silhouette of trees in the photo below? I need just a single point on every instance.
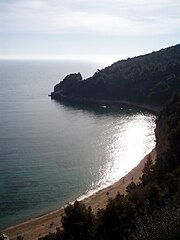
(149, 79)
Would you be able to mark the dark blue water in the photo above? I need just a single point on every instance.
(51, 153)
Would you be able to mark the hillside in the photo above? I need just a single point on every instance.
(148, 79)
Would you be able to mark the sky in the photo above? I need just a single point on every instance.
(106, 30)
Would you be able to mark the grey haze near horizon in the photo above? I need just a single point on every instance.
(105, 30)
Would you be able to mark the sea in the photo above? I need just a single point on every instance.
(53, 153)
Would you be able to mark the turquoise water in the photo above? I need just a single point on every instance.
(52, 153)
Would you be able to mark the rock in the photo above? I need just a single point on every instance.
(68, 82)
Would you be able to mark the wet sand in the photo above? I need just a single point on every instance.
(41, 226)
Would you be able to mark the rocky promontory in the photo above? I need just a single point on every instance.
(150, 79)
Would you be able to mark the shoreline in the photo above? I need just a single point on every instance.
(63, 98)
(40, 226)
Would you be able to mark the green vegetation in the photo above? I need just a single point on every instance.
(151, 209)
(148, 79)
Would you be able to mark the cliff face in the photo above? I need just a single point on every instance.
(68, 83)
(65, 88)
(168, 123)
(168, 134)
(148, 79)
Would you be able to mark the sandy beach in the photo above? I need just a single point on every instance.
(40, 226)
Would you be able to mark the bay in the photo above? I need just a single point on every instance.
(53, 153)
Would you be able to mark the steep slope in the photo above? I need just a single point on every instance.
(147, 79)
(168, 140)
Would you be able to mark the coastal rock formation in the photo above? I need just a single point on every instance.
(168, 128)
(66, 86)
(68, 82)
(148, 79)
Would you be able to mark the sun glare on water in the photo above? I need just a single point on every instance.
(130, 142)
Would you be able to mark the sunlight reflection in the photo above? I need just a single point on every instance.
(129, 143)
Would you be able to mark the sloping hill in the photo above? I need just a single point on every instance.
(148, 79)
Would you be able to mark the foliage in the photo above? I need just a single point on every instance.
(164, 223)
(117, 220)
(148, 79)
(78, 221)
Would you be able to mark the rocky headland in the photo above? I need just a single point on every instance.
(148, 80)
